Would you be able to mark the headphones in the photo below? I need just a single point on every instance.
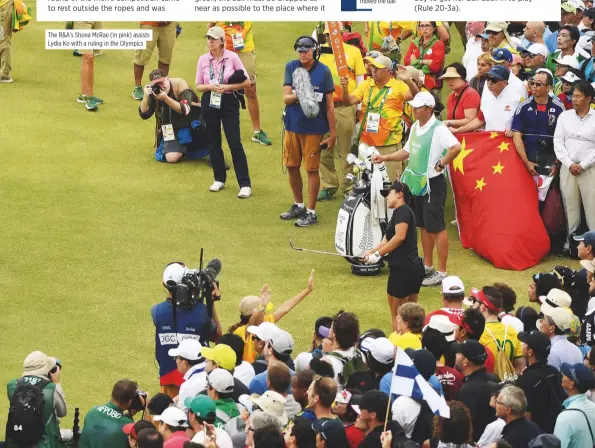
(316, 47)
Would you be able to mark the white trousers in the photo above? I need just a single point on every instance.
(576, 190)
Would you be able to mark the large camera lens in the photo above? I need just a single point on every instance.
(156, 89)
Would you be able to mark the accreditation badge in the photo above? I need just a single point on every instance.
(215, 101)
(168, 132)
(238, 41)
(373, 122)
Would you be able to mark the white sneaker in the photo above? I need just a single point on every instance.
(245, 192)
(217, 186)
(433, 280)
(6, 80)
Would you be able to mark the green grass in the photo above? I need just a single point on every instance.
(89, 219)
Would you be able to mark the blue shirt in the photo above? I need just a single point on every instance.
(551, 42)
(386, 381)
(322, 81)
(259, 383)
(564, 351)
(526, 44)
(533, 118)
(571, 426)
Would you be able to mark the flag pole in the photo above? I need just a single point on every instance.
(390, 392)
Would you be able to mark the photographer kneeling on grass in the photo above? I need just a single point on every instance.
(179, 130)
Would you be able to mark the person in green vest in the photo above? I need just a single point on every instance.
(44, 373)
(104, 424)
(430, 148)
(220, 388)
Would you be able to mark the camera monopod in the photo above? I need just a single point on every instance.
(334, 254)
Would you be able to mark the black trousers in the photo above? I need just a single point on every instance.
(229, 116)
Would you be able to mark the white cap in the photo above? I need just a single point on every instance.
(538, 49)
(556, 298)
(173, 273)
(263, 331)
(221, 380)
(188, 349)
(382, 350)
(366, 343)
(281, 341)
(173, 416)
(302, 361)
(561, 317)
(423, 99)
(453, 285)
(567, 60)
(585, 43)
(272, 403)
(513, 322)
(570, 77)
(443, 324)
(544, 70)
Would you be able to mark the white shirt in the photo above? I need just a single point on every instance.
(441, 140)
(405, 412)
(492, 433)
(195, 381)
(222, 438)
(498, 112)
(574, 140)
(519, 87)
(245, 373)
(337, 363)
(472, 51)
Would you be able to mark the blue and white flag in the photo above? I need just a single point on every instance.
(408, 381)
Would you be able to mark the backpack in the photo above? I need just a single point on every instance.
(553, 214)
(350, 365)
(25, 425)
(503, 367)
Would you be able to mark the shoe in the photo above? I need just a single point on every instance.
(91, 103)
(6, 79)
(217, 186)
(245, 193)
(294, 212)
(97, 100)
(76, 53)
(261, 137)
(434, 280)
(428, 271)
(82, 98)
(325, 195)
(307, 220)
(138, 93)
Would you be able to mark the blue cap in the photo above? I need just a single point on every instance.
(588, 238)
(483, 36)
(583, 377)
(499, 72)
(332, 431)
(501, 54)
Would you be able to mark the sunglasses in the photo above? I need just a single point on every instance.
(530, 55)
(493, 33)
(536, 84)
(493, 80)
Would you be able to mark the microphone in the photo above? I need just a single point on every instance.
(213, 269)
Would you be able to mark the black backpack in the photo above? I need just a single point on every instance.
(25, 425)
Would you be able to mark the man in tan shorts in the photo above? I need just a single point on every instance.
(86, 96)
(164, 38)
(239, 38)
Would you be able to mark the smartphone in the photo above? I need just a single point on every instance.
(323, 146)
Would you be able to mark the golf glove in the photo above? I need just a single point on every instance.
(373, 258)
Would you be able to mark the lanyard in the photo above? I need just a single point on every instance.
(221, 73)
(371, 101)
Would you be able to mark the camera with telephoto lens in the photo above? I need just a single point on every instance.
(156, 89)
(139, 401)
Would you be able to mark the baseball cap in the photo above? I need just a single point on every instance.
(202, 406)
(272, 403)
(379, 61)
(568, 60)
(483, 36)
(159, 403)
(188, 349)
(538, 49)
(590, 13)
(222, 355)
(424, 362)
(499, 72)
(587, 238)
(570, 77)
(458, 319)
(423, 99)
(472, 350)
(399, 187)
(38, 363)
(132, 429)
(589, 265)
(444, 325)
(450, 73)
(555, 298)
(156, 76)
(263, 331)
(501, 55)
(331, 431)
(382, 350)
(250, 305)
(536, 341)
(415, 74)
(216, 32)
(174, 271)
(545, 441)
(561, 317)
(281, 341)
(493, 305)
(569, 7)
(173, 416)
(220, 380)
(452, 285)
(583, 377)
(497, 27)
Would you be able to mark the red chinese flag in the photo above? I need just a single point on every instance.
(496, 202)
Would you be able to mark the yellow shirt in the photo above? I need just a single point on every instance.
(390, 108)
(355, 64)
(243, 28)
(405, 341)
(512, 345)
(383, 29)
(249, 352)
(505, 44)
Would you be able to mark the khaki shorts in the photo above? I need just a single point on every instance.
(87, 26)
(165, 39)
(298, 147)
(248, 58)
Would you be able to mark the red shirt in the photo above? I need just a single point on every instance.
(567, 102)
(451, 380)
(470, 99)
(355, 436)
(176, 440)
(489, 364)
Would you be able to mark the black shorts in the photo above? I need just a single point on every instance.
(429, 214)
(173, 146)
(404, 281)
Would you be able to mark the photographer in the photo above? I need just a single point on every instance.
(175, 322)
(178, 114)
(43, 374)
(104, 424)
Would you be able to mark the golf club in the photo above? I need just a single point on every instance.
(322, 252)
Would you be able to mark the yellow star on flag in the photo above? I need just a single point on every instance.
(498, 168)
(458, 162)
(480, 184)
(493, 135)
(504, 147)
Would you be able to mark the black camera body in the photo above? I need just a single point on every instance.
(156, 89)
(139, 401)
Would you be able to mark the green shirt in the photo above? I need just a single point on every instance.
(226, 409)
(103, 428)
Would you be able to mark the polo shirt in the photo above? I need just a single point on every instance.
(571, 426)
(103, 427)
(469, 99)
(533, 118)
(176, 440)
(542, 385)
(518, 433)
(476, 396)
(355, 68)
(497, 112)
(563, 351)
(195, 380)
(209, 68)
(244, 372)
(322, 82)
(574, 139)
